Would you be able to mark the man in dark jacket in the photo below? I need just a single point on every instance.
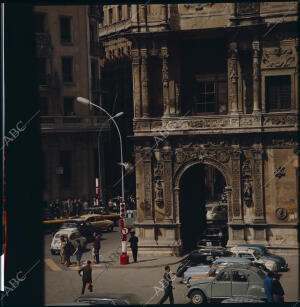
(134, 245)
(167, 286)
(96, 246)
(277, 290)
(86, 277)
(69, 250)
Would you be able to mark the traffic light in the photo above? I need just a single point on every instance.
(122, 210)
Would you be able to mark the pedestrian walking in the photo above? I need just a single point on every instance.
(69, 250)
(134, 245)
(96, 246)
(62, 250)
(268, 287)
(168, 287)
(78, 252)
(277, 290)
(86, 277)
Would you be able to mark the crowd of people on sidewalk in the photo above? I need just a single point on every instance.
(75, 206)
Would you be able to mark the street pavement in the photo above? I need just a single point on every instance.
(139, 281)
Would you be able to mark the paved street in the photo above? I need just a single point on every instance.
(138, 281)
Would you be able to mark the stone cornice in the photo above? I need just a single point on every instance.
(267, 122)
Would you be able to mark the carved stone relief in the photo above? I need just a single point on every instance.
(278, 57)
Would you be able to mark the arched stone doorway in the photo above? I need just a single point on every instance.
(199, 185)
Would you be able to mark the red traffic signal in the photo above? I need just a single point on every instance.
(122, 210)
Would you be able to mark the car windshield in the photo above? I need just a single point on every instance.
(58, 235)
(212, 271)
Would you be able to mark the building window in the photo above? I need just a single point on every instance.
(278, 93)
(210, 95)
(42, 71)
(94, 74)
(120, 12)
(39, 23)
(69, 106)
(65, 29)
(44, 105)
(110, 16)
(67, 69)
(65, 163)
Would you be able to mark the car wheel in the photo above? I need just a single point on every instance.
(197, 297)
(110, 228)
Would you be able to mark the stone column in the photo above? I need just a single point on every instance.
(165, 13)
(148, 203)
(136, 82)
(165, 80)
(257, 153)
(144, 77)
(236, 184)
(233, 73)
(256, 76)
(167, 162)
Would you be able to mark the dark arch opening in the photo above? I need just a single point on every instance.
(199, 185)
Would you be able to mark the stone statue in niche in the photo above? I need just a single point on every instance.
(158, 190)
(248, 192)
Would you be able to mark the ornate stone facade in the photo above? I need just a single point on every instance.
(246, 144)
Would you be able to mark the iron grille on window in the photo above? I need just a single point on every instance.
(65, 29)
(278, 93)
(67, 70)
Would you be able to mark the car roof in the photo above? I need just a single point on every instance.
(232, 260)
(242, 266)
(67, 230)
(86, 216)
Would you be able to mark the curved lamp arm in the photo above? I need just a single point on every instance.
(88, 102)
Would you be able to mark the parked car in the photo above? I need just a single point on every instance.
(98, 221)
(72, 233)
(108, 299)
(233, 280)
(242, 299)
(201, 256)
(216, 212)
(213, 236)
(84, 228)
(265, 254)
(195, 270)
(253, 255)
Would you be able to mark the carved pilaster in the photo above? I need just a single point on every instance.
(257, 153)
(256, 76)
(144, 75)
(165, 12)
(165, 80)
(233, 74)
(236, 184)
(136, 82)
(147, 159)
(167, 161)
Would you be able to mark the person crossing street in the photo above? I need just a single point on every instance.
(168, 287)
(86, 277)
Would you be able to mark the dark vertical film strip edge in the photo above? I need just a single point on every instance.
(3, 196)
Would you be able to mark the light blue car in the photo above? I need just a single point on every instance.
(195, 270)
(236, 260)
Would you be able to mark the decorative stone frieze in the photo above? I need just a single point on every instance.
(278, 58)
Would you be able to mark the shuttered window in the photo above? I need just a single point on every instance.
(278, 93)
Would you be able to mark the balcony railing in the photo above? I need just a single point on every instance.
(73, 123)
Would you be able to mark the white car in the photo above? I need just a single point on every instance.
(72, 233)
(254, 256)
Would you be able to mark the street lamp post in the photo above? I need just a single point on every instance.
(124, 259)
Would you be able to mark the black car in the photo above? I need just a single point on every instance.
(201, 256)
(108, 299)
(86, 230)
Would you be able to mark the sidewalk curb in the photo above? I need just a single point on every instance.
(144, 267)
